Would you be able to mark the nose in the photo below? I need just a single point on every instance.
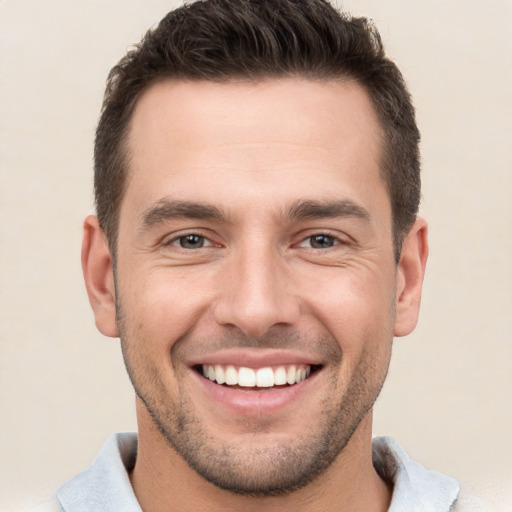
(256, 293)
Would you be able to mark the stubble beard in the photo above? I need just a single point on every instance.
(268, 468)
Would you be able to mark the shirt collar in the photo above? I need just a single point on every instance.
(415, 489)
(105, 485)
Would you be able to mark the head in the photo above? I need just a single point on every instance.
(257, 174)
(242, 40)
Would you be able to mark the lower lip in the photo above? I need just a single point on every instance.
(255, 403)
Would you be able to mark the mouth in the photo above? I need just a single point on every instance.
(256, 379)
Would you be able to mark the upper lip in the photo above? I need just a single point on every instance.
(255, 358)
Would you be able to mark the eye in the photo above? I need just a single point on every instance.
(320, 241)
(191, 241)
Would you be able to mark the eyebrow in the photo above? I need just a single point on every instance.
(308, 210)
(166, 209)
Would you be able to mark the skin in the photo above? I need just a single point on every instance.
(265, 170)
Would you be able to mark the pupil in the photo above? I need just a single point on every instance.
(321, 241)
(191, 241)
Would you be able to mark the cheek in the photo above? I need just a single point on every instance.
(357, 309)
(161, 307)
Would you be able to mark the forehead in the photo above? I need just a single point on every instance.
(245, 139)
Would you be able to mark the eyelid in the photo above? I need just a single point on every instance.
(176, 241)
(339, 238)
(173, 239)
(308, 238)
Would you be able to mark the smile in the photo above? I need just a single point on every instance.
(256, 383)
(266, 377)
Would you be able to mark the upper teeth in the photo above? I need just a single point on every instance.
(260, 377)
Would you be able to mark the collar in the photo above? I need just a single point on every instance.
(415, 489)
(105, 484)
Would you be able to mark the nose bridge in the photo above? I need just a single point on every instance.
(255, 293)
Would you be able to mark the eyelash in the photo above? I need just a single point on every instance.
(330, 239)
(181, 240)
(178, 241)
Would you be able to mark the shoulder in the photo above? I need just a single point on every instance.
(418, 489)
(105, 484)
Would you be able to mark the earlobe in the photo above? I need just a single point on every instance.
(409, 277)
(99, 276)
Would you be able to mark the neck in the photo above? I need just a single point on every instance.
(163, 481)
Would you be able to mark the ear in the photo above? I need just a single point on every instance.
(99, 276)
(409, 277)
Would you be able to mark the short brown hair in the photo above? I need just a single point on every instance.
(222, 40)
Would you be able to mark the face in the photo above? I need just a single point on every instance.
(255, 283)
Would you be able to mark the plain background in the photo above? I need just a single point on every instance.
(63, 387)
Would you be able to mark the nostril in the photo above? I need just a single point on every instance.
(257, 300)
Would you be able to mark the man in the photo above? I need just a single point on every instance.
(256, 249)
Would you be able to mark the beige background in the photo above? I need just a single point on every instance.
(62, 386)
